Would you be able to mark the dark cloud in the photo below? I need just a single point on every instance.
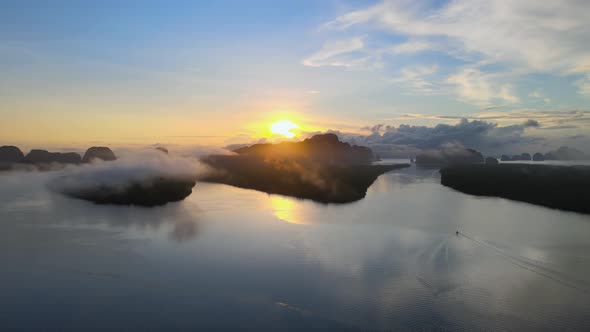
(560, 127)
(580, 136)
(409, 140)
(377, 128)
(493, 107)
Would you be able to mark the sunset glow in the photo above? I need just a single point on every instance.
(284, 128)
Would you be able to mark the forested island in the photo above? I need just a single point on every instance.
(558, 187)
(152, 191)
(320, 168)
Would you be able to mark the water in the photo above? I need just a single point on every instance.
(229, 258)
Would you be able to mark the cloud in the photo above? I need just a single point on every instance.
(546, 118)
(416, 78)
(583, 85)
(473, 85)
(493, 107)
(410, 47)
(486, 36)
(130, 169)
(560, 127)
(335, 54)
(475, 133)
(406, 140)
(541, 36)
(557, 118)
(531, 123)
(539, 95)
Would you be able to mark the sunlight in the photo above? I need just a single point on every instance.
(284, 127)
(284, 209)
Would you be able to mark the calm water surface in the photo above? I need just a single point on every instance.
(228, 258)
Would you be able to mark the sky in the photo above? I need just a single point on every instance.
(80, 72)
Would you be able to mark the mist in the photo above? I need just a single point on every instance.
(137, 169)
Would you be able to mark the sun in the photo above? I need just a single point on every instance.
(284, 127)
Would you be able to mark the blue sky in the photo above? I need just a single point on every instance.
(224, 69)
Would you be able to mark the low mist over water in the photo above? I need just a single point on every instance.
(230, 258)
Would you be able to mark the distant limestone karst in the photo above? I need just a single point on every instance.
(562, 153)
(450, 157)
(538, 156)
(12, 158)
(566, 153)
(99, 152)
(37, 156)
(11, 154)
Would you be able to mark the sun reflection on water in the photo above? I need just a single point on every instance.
(286, 209)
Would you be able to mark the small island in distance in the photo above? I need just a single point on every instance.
(320, 168)
(12, 158)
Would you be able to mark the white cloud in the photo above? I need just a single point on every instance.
(584, 85)
(410, 47)
(331, 54)
(535, 94)
(547, 118)
(539, 95)
(472, 85)
(416, 78)
(522, 37)
(541, 35)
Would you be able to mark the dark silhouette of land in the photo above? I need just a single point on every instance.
(559, 187)
(320, 168)
(10, 154)
(563, 153)
(451, 156)
(99, 152)
(322, 148)
(152, 192)
(12, 157)
(538, 156)
(37, 156)
(162, 149)
(492, 161)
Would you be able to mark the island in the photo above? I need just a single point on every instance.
(99, 152)
(12, 158)
(562, 153)
(449, 156)
(320, 168)
(155, 191)
(558, 187)
(10, 155)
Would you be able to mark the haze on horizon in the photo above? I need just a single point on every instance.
(494, 75)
